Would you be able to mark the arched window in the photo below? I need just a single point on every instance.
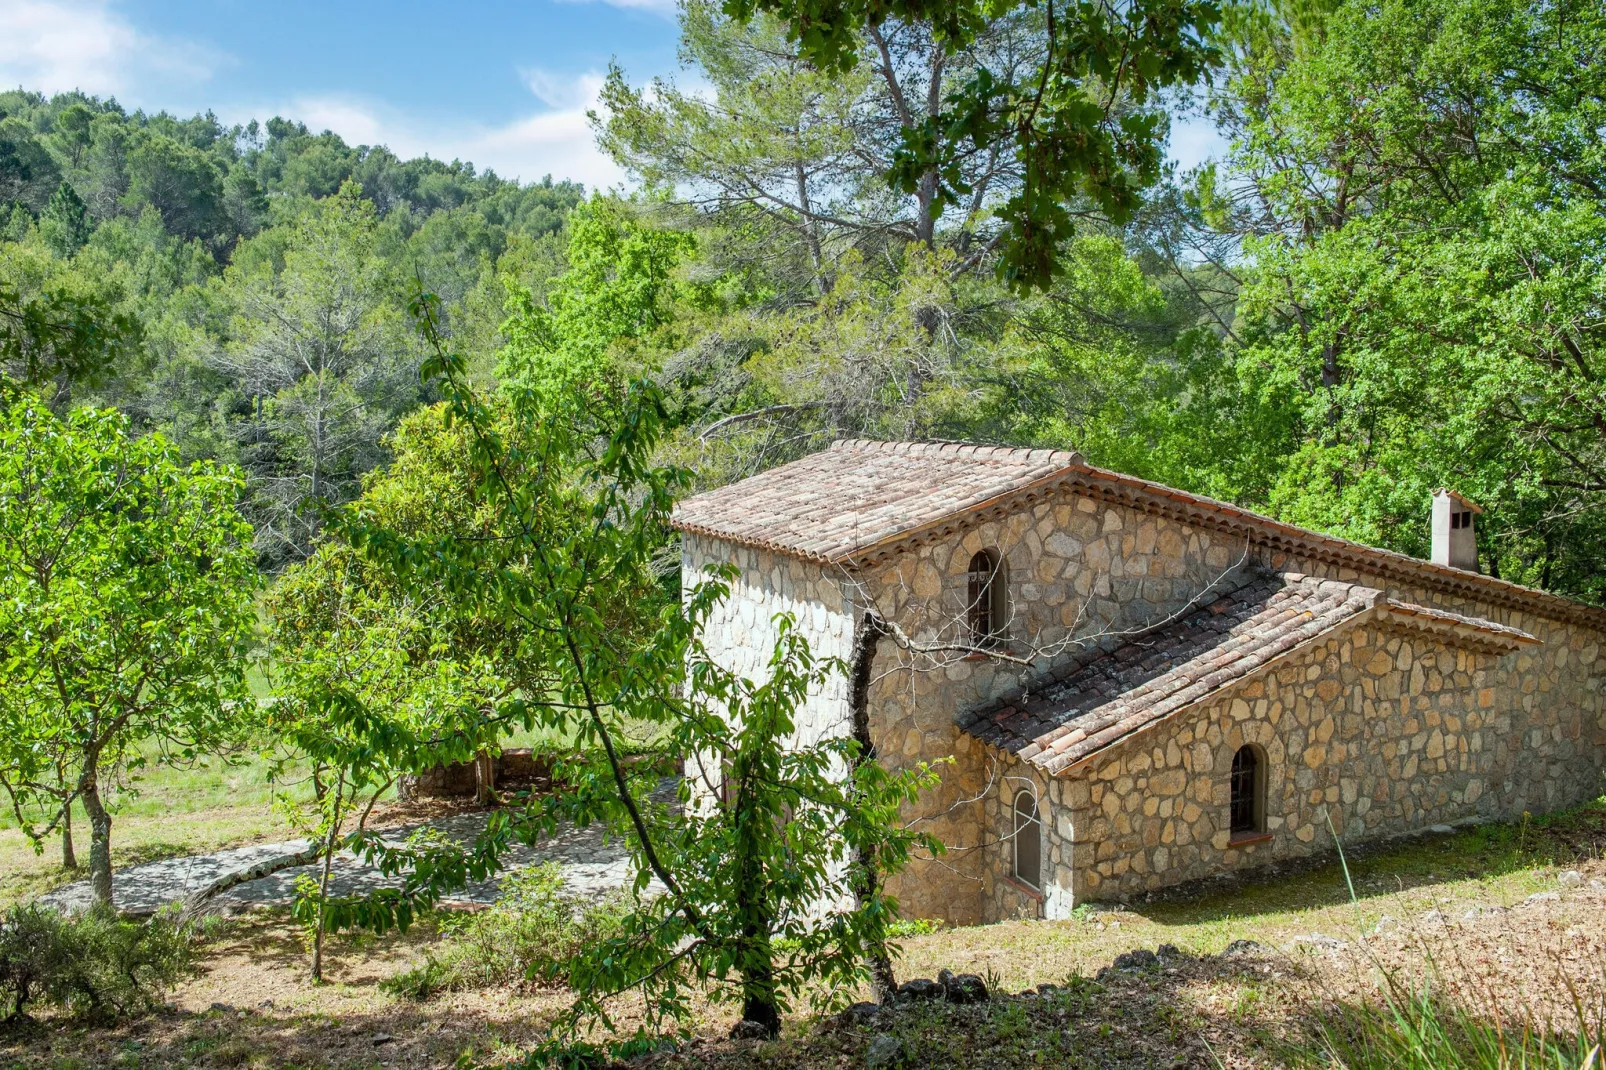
(1028, 841)
(989, 601)
(1247, 774)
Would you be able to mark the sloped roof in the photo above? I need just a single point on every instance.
(1092, 703)
(842, 500)
(858, 502)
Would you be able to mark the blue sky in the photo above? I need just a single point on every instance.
(503, 85)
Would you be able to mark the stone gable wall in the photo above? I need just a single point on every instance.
(1076, 568)
(741, 632)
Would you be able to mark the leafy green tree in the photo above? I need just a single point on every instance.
(793, 159)
(126, 612)
(179, 181)
(1083, 123)
(28, 174)
(1427, 312)
(619, 291)
(362, 690)
(71, 132)
(60, 329)
(753, 883)
(64, 225)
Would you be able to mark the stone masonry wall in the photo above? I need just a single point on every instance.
(741, 632)
(1374, 729)
(1526, 731)
(1076, 569)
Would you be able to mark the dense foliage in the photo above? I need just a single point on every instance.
(94, 965)
(243, 290)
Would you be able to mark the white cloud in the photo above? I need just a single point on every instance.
(54, 46)
(666, 8)
(556, 140)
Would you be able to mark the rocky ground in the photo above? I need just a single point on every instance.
(591, 863)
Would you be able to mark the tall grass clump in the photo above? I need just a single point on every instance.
(1417, 1030)
(529, 937)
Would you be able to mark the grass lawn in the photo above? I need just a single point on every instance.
(1500, 920)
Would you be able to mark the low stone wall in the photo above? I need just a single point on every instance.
(456, 780)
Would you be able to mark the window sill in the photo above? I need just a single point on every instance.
(1023, 888)
(1246, 839)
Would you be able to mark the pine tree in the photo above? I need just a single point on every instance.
(64, 224)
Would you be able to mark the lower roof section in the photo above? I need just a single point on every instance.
(1093, 702)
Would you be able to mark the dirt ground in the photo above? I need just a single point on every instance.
(1509, 928)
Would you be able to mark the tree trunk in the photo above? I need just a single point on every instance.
(484, 778)
(69, 859)
(758, 994)
(100, 836)
(330, 840)
(861, 663)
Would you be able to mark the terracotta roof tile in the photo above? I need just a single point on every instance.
(1076, 710)
(834, 503)
(858, 500)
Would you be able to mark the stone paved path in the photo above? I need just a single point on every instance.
(591, 864)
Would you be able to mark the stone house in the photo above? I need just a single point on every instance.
(1132, 686)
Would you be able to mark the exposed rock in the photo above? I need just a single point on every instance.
(917, 990)
(859, 1013)
(963, 987)
(1321, 940)
(1137, 959)
(1543, 897)
(1168, 953)
(1570, 878)
(1243, 947)
(747, 1029)
(884, 1053)
(1441, 830)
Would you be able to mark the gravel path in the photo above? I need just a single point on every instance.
(592, 864)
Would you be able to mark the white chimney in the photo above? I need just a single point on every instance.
(1455, 534)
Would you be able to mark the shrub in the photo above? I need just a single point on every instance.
(528, 937)
(94, 965)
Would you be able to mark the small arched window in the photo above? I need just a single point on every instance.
(988, 608)
(1028, 841)
(1247, 775)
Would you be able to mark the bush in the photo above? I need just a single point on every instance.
(528, 937)
(94, 965)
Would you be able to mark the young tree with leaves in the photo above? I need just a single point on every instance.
(754, 885)
(126, 612)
